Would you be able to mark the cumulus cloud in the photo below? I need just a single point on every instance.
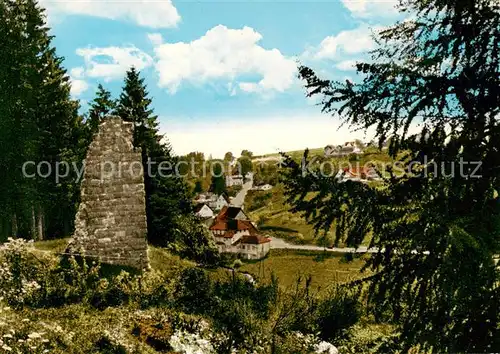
(346, 65)
(155, 38)
(356, 41)
(110, 63)
(147, 13)
(224, 54)
(78, 87)
(371, 8)
(78, 84)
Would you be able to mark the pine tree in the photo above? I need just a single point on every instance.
(39, 122)
(167, 197)
(437, 232)
(101, 106)
(218, 183)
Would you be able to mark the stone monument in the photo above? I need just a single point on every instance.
(110, 224)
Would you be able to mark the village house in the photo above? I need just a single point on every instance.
(213, 201)
(349, 147)
(234, 180)
(203, 211)
(233, 232)
(358, 174)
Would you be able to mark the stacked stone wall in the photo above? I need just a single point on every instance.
(111, 223)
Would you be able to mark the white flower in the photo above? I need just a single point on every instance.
(34, 335)
(326, 348)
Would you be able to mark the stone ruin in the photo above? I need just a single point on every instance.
(110, 224)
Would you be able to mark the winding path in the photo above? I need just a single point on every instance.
(239, 199)
(278, 243)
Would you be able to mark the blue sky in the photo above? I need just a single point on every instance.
(222, 74)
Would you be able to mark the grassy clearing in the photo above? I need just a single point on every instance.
(274, 218)
(56, 246)
(295, 154)
(288, 265)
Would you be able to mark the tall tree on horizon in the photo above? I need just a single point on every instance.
(101, 106)
(218, 181)
(437, 232)
(38, 122)
(167, 196)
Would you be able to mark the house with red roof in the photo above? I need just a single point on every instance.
(359, 174)
(234, 232)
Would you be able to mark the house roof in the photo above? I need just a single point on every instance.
(230, 212)
(255, 239)
(232, 225)
(226, 222)
(358, 171)
(200, 206)
(224, 196)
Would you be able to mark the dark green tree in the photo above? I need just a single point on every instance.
(101, 106)
(218, 183)
(38, 122)
(247, 153)
(245, 165)
(437, 231)
(198, 187)
(167, 196)
(228, 156)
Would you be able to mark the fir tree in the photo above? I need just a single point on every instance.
(102, 105)
(218, 183)
(38, 122)
(167, 197)
(437, 232)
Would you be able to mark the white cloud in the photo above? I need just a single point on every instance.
(354, 41)
(371, 8)
(225, 54)
(346, 65)
(77, 72)
(155, 38)
(78, 84)
(78, 87)
(110, 63)
(147, 13)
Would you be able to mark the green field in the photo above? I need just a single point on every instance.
(270, 210)
(295, 154)
(288, 265)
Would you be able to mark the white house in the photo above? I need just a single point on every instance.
(359, 175)
(221, 202)
(214, 201)
(234, 180)
(349, 147)
(204, 211)
(233, 232)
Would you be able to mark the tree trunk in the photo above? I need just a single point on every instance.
(40, 223)
(33, 233)
(14, 226)
(3, 229)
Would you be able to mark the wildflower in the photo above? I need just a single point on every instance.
(34, 335)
